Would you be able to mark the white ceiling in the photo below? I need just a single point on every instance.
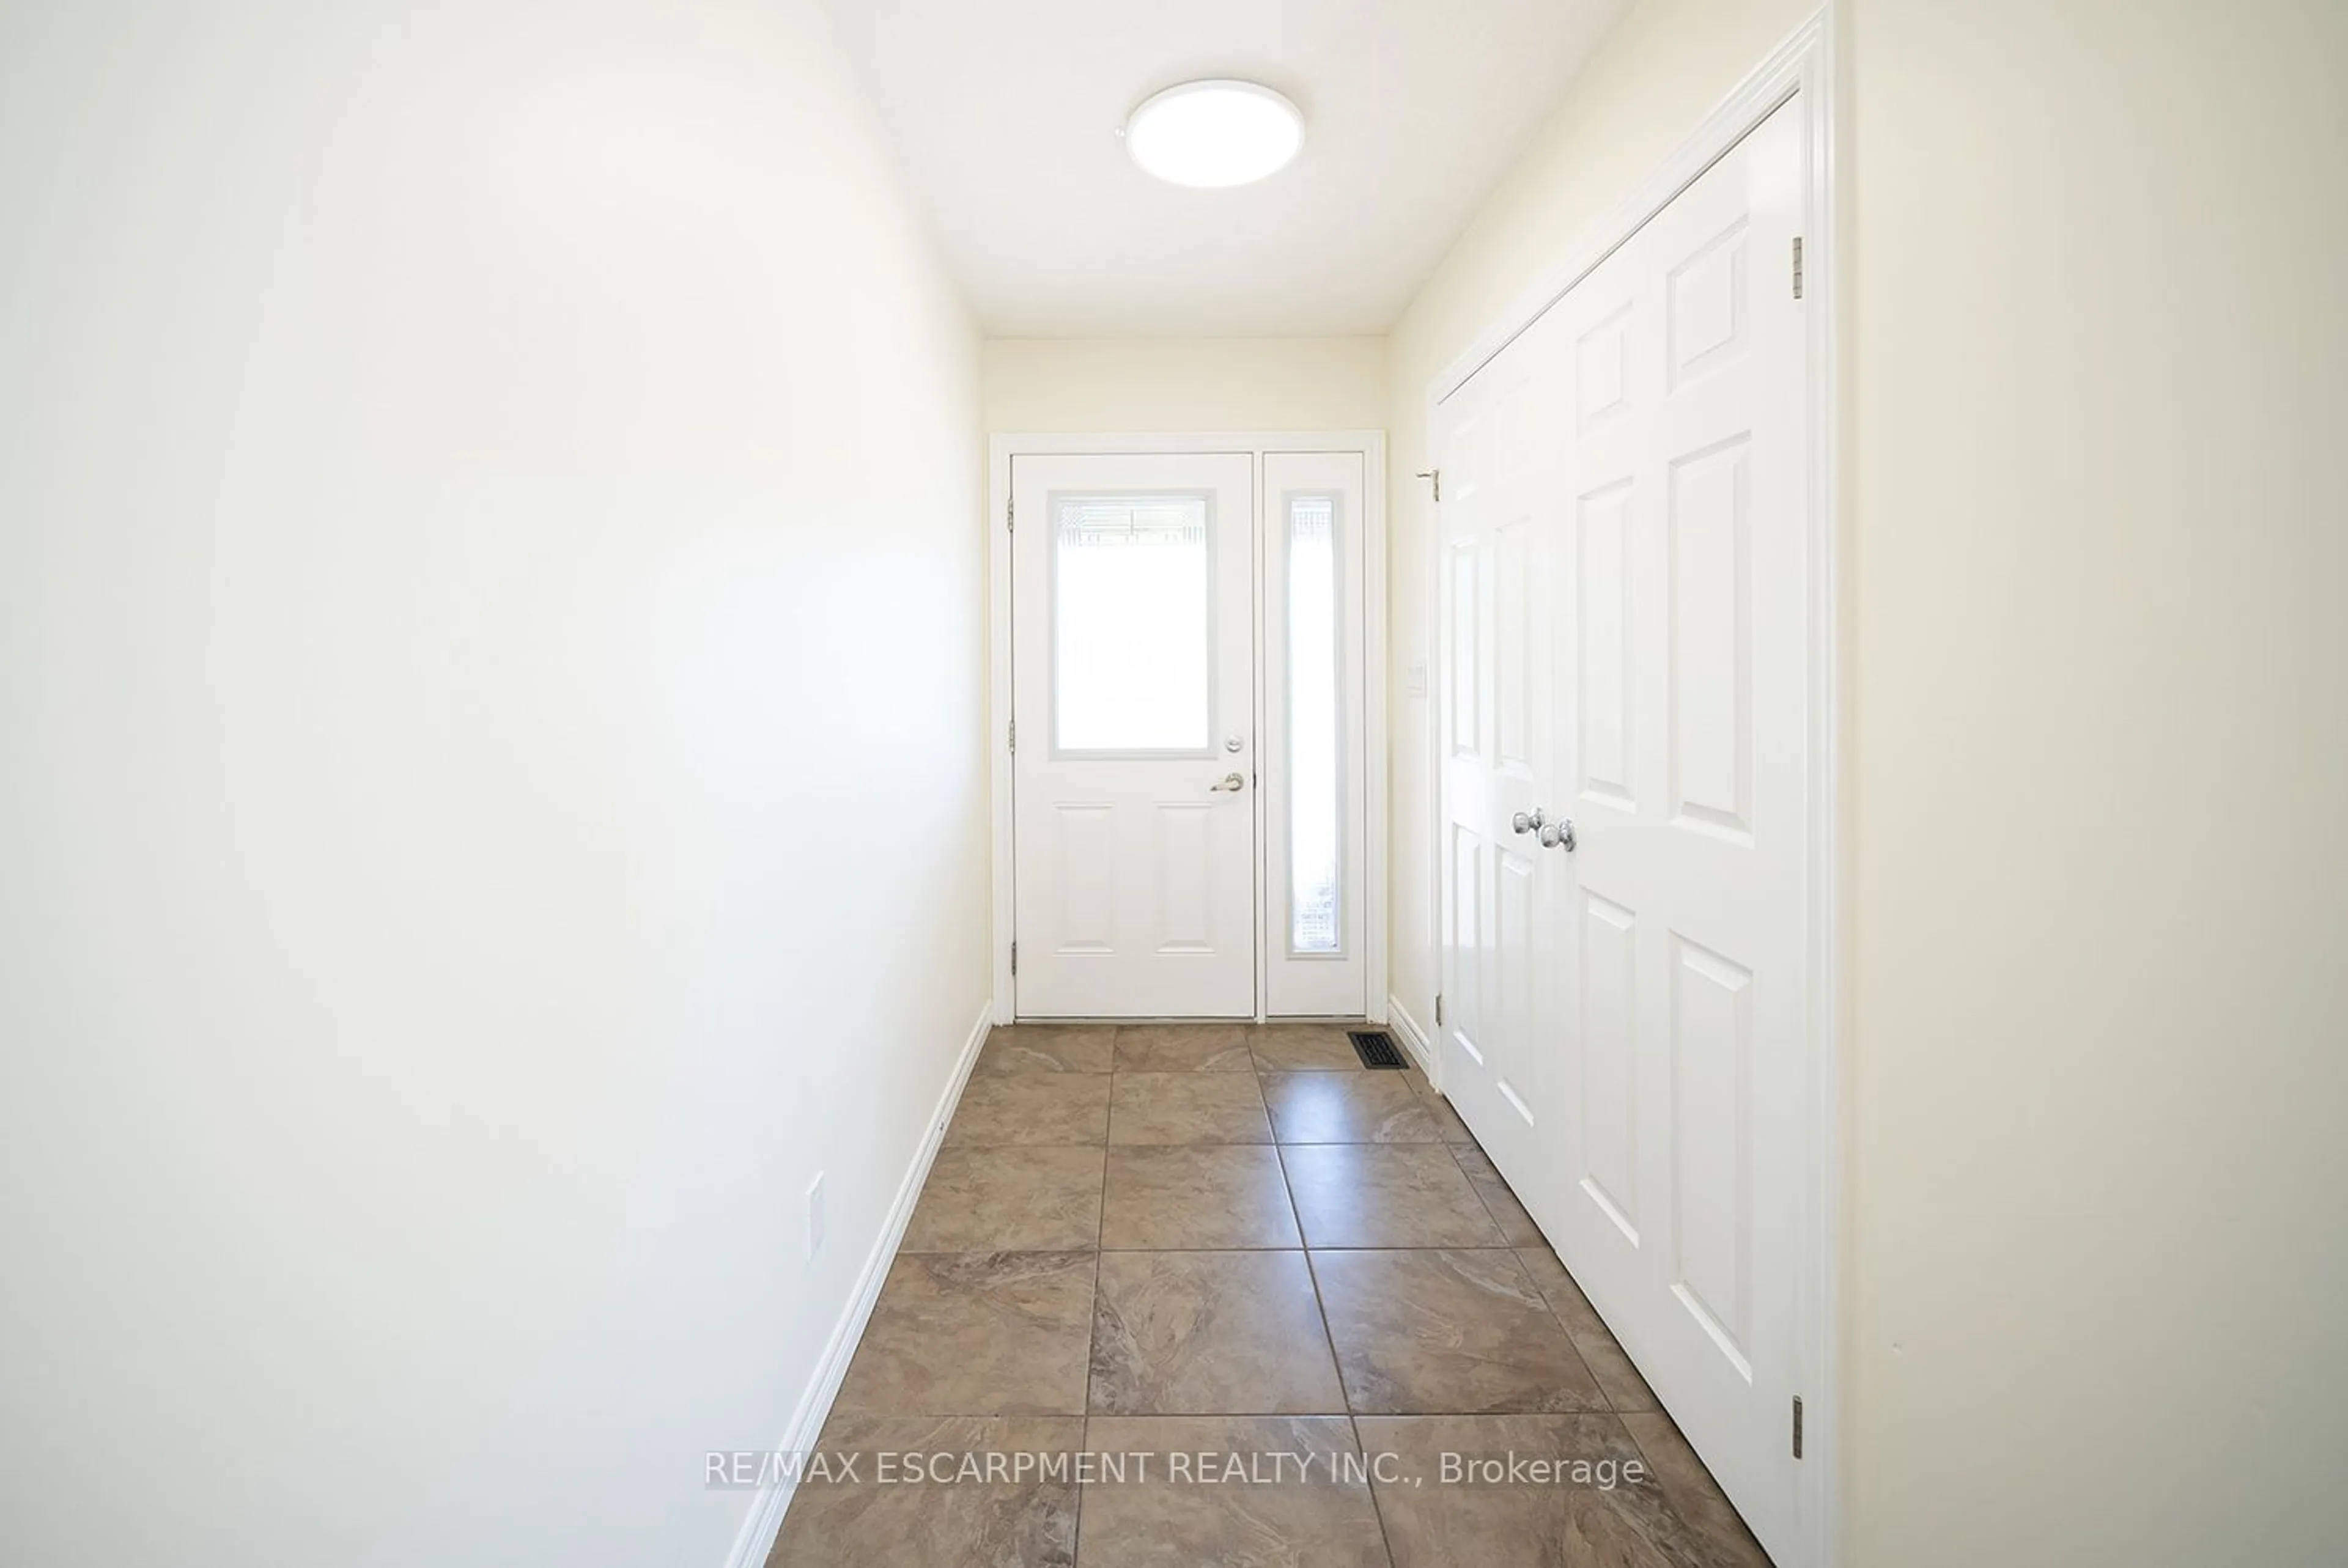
(1005, 114)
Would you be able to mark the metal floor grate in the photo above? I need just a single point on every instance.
(1377, 1048)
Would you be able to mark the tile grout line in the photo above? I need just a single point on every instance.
(1572, 1343)
(1344, 1390)
(1092, 1325)
(1566, 1328)
(1474, 1187)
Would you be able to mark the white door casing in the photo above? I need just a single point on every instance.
(1627, 642)
(1134, 767)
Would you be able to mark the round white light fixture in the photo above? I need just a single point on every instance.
(1214, 134)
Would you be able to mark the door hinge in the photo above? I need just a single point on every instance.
(1011, 507)
(1797, 1425)
(1015, 958)
(1435, 477)
(1438, 1010)
(1797, 266)
(1011, 738)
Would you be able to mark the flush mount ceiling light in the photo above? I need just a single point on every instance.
(1212, 134)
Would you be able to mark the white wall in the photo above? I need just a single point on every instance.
(2100, 678)
(489, 559)
(2098, 691)
(1074, 385)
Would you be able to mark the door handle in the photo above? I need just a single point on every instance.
(1233, 782)
(1560, 835)
(1528, 822)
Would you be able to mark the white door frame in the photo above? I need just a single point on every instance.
(1803, 63)
(1372, 447)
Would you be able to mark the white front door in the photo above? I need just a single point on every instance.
(1628, 641)
(1133, 759)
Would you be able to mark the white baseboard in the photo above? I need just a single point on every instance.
(765, 1518)
(1414, 1038)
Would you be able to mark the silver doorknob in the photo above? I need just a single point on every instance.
(1233, 782)
(1528, 822)
(1560, 835)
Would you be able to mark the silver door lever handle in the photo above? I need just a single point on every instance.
(1233, 782)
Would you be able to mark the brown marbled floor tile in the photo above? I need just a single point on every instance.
(1032, 1108)
(1197, 1197)
(1345, 1108)
(1211, 1333)
(1314, 1511)
(1304, 1048)
(1187, 1108)
(836, 1522)
(975, 1334)
(1448, 1125)
(1448, 1331)
(1384, 1194)
(1008, 1200)
(1183, 1047)
(1499, 1198)
(1693, 1495)
(1048, 1048)
(1596, 1519)
(1625, 1389)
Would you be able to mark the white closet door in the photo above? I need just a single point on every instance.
(1628, 1018)
(1499, 521)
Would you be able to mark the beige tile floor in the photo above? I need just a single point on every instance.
(1218, 1246)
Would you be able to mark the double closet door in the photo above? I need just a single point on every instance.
(1626, 796)
(1188, 734)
